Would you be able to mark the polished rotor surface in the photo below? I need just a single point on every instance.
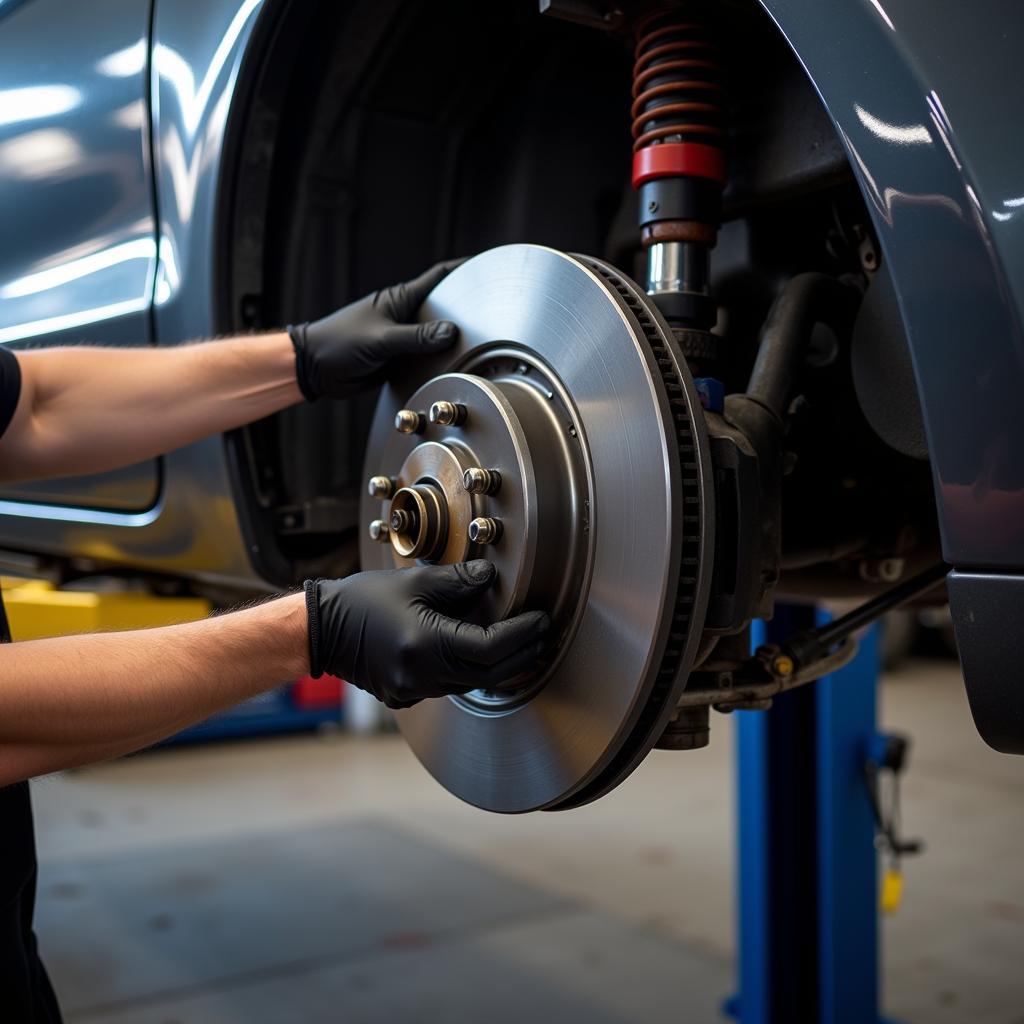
(569, 404)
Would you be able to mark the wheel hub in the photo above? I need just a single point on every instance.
(562, 440)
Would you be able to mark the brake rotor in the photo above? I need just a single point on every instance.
(568, 390)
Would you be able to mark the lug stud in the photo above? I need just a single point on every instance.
(477, 480)
(409, 422)
(379, 531)
(381, 487)
(447, 414)
(485, 530)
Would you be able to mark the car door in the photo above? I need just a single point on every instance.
(77, 225)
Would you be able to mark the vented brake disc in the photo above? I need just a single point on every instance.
(568, 390)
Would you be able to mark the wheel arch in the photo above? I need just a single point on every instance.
(933, 184)
(923, 98)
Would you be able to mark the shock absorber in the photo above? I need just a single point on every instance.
(679, 168)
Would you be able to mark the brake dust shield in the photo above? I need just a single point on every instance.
(568, 387)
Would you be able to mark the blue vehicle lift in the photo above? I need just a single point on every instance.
(807, 860)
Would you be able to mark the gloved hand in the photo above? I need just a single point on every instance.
(349, 350)
(390, 633)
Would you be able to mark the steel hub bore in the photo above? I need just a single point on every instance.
(562, 440)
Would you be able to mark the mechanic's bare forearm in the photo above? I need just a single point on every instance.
(74, 700)
(85, 410)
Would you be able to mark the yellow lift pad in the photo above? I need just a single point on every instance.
(37, 609)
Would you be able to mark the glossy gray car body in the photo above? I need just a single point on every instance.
(924, 97)
(926, 100)
(132, 259)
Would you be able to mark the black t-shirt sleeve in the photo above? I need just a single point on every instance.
(25, 989)
(10, 386)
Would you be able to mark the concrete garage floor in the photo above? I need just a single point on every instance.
(317, 879)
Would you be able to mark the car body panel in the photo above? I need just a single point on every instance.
(191, 526)
(986, 608)
(198, 48)
(76, 194)
(926, 100)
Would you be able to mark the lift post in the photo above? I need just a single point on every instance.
(807, 862)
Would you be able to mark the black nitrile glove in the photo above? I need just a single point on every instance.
(390, 633)
(349, 350)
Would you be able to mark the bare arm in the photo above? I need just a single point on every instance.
(84, 410)
(77, 699)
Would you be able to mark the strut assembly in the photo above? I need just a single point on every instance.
(679, 170)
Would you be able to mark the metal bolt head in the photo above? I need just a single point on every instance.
(401, 520)
(408, 422)
(477, 480)
(484, 530)
(379, 531)
(447, 414)
(381, 487)
(783, 665)
(881, 570)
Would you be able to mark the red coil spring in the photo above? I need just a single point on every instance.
(686, 102)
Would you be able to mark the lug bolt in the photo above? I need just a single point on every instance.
(485, 530)
(401, 520)
(481, 481)
(381, 487)
(447, 414)
(379, 531)
(409, 422)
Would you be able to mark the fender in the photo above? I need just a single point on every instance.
(197, 52)
(925, 100)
